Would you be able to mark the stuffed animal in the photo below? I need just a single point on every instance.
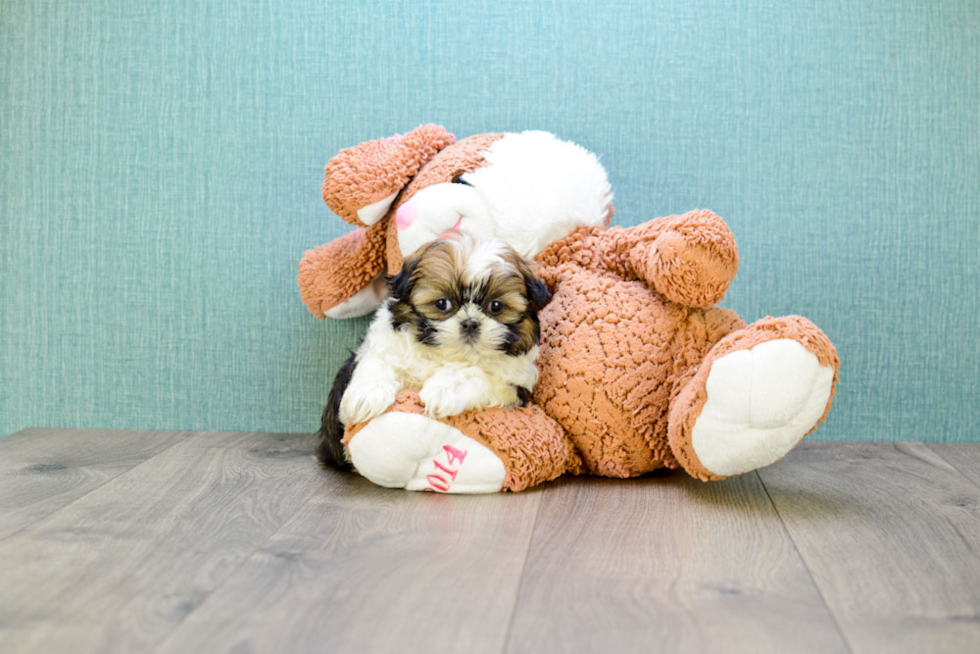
(527, 189)
(639, 369)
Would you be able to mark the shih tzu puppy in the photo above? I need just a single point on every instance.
(461, 324)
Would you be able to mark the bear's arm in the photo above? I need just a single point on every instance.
(690, 259)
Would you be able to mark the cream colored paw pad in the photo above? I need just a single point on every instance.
(411, 451)
(761, 402)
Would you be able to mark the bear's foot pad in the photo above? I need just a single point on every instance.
(415, 452)
(761, 402)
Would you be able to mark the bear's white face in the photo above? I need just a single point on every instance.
(533, 190)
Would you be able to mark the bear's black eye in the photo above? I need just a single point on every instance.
(444, 304)
(496, 306)
(458, 179)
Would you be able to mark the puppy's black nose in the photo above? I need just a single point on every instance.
(469, 326)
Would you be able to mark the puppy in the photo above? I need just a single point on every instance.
(461, 324)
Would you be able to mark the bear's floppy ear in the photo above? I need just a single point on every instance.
(360, 183)
(332, 274)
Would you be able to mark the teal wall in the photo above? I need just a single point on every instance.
(161, 165)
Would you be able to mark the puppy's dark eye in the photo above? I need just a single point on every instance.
(496, 306)
(444, 304)
(458, 179)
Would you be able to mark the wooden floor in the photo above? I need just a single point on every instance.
(219, 542)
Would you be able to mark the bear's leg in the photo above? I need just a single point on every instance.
(409, 450)
(757, 393)
(475, 452)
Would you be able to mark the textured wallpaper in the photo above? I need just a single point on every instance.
(161, 164)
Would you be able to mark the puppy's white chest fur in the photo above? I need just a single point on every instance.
(452, 379)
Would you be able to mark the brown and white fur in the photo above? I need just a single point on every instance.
(461, 324)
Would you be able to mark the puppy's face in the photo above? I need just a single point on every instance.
(469, 296)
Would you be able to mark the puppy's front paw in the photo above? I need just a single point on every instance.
(442, 397)
(361, 402)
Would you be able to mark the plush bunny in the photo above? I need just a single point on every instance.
(639, 369)
(528, 189)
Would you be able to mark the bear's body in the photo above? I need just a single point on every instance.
(614, 354)
(624, 375)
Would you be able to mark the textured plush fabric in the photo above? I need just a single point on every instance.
(371, 171)
(161, 163)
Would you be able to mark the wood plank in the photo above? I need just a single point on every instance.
(891, 535)
(965, 457)
(120, 567)
(42, 470)
(367, 569)
(666, 563)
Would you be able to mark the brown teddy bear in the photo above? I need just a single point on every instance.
(639, 369)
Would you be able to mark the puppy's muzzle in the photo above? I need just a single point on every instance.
(469, 328)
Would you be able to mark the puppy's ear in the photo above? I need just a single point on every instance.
(401, 284)
(537, 293)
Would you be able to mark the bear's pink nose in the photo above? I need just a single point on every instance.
(405, 215)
